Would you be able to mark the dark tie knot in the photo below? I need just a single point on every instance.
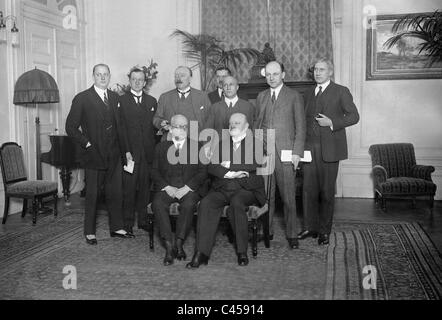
(183, 94)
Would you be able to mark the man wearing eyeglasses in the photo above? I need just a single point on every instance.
(178, 176)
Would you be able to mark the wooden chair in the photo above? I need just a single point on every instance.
(396, 175)
(17, 185)
(256, 215)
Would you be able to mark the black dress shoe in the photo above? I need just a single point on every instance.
(181, 254)
(170, 254)
(307, 234)
(293, 243)
(243, 260)
(92, 242)
(324, 239)
(197, 260)
(119, 235)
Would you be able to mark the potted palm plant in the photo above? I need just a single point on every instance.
(424, 26)
(209, 54)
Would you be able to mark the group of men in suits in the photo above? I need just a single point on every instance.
(114, 132)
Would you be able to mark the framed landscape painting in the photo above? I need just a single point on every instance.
(402, 61)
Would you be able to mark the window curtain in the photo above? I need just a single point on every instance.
(299, 31)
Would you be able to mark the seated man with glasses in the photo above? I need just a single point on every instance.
(178, 176)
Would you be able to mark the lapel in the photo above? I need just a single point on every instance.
(311, 99)
(196, 105)
(325, 97)
(265, 102)
(97, 103)
(281, 97)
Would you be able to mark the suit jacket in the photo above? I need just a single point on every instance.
(220, 114)
(164, 173)
(137, 126)
(288, 119)
(336, 102)
(214, 97)
(168, 107)
(88, 113)
(246, 158)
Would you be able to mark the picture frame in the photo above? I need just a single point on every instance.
(400, 62)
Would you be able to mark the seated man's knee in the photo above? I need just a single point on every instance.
(237, 203)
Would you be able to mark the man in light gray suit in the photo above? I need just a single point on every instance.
(185, 100)
(282, 109)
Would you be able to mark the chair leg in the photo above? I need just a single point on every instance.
(6, 212)
(254, 238)
(25, 208)
(35, 204)
(266, 229)
(431, 203)
(384, 204)
(376, 197)
(55, 205)
(151, 230)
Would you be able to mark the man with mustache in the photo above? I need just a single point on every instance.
(233, 167)
(185, 100)
(220, 74)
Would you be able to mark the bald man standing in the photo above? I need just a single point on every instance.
(281, 109)
(185, 100)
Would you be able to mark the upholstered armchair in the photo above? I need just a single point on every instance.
(396, 174)
(17, 185)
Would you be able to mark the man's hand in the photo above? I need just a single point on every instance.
(171, 191)
(242, 174)
(129, 157)
(181, 193)
(236, 175)
(324, 121)
(88, 145)
(295, 160)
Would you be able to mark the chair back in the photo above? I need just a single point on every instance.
(12, 163)
(397, 158)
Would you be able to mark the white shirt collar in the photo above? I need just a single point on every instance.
(277, 90)
(324, 86)
(100, 92)
(239, 138)
(233, 101)
(136, 93)
(179, 144)
(220, 92)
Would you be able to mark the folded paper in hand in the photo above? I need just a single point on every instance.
(286, 156)
(129, 167)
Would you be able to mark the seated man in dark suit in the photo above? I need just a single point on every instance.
(178, 176)
(233, 167)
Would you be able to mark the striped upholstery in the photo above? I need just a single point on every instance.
(32, 187)
(13, 163)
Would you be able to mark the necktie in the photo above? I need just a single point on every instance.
(236, 145)
(274, 97)
(106, 100)
(183, 94)
(319, 92)
(138, 99)
(231, 105)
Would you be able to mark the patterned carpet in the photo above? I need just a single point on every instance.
(32, 261)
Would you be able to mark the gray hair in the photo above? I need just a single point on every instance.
(327, 61)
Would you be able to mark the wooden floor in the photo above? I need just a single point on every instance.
(345, 209)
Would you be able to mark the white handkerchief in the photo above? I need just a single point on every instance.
(129, 167)
(286, 156)
(307, 156)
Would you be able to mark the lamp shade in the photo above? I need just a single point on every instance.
(36, 86)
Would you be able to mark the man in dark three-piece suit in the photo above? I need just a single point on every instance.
(189, 102)
(218, 94)
(282, 109)
(233, 166)
(329, 110)
(178, 176)
(94, 124)
(136, 112)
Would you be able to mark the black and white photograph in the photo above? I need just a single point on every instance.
(216, 158)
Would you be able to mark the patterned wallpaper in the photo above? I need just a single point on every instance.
(299, 31)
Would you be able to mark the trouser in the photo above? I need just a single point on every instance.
(319, 192)
(209, 214)
(109, 181)
(160, 206)
(285, 180)
(136, 195)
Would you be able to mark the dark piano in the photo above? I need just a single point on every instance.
(63, 155)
